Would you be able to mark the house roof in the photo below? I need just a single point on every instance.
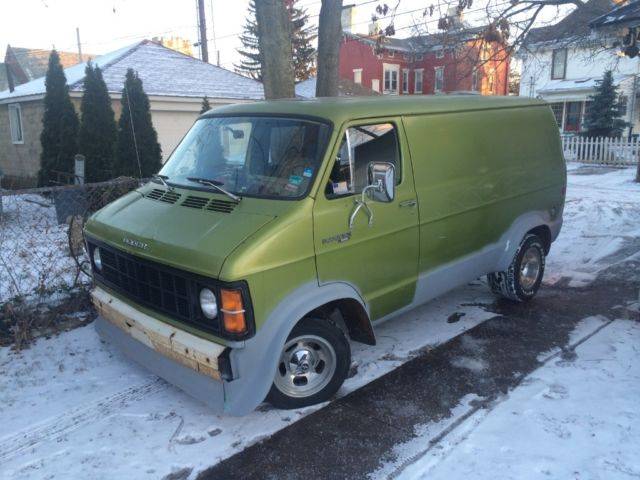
(628, 14)
(574, 25)
(34, 61)
(420, 43)
(164, 72)
(578, 85)
(347, 88)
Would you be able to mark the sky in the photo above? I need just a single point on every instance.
(106, 25)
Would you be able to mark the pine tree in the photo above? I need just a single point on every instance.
(136, 116)
(205, 105)
(59, 136)
(603, 117)
(97, 137)
(302, 36)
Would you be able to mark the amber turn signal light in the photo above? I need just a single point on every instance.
(233, 311)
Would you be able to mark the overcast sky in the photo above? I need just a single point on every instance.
(106, 25)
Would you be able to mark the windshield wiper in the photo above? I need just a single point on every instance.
(217, 185)
(163, 181)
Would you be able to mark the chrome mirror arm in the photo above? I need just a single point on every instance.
(362, 203)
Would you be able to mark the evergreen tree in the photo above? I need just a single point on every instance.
(136, 116)
(603, 117)
(302, 36)
(97, 137)
(59, 136)
(205, 105)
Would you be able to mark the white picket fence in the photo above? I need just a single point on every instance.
(601, 150)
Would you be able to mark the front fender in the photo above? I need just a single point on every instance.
(254, 366)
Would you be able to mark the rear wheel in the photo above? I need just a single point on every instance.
(521, 281)
(313, 364)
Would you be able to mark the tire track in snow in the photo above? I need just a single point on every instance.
(54, 427)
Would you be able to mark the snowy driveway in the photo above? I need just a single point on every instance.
(71, 407)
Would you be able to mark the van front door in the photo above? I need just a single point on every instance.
(378, 258)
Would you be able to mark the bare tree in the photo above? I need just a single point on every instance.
(329, 36)
(274, 36)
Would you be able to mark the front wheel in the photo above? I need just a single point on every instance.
(313, 364)
(520, 282)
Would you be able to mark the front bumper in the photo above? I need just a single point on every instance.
(189, 362)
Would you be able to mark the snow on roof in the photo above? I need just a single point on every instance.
(306, 88)
(164, 72)
(578, 84)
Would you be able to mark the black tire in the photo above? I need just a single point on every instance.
(508, 284)
(331, 335)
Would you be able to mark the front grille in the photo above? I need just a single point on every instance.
(161, 288)
(195, 202)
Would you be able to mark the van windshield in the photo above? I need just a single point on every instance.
(266, 157)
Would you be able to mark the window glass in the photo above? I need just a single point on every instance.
(439, 82)
(559, 63)
(252, 156)
(622, 105)
(15, 123)
(417, 88)
(390, 80)
(474, 80)
(573, 116)
(405, 81)
(357, 75)
(558, 109)
(360, 146)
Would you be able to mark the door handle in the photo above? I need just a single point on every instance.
(409, 203)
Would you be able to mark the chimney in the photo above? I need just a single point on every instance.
(348, 14)
(455, 17)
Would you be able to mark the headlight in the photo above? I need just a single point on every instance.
(208, 303)
(97, 259)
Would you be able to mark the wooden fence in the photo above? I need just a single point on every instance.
(601, 150)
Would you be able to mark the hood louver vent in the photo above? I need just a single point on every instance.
(195, 202)
(163, 195)
(213, 205)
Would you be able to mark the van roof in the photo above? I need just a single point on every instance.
(341, 109)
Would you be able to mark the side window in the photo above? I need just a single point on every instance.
(360, 146)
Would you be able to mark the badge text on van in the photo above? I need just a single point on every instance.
(339, 238)
(135, 243)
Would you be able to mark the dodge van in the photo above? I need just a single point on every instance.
(279, 232)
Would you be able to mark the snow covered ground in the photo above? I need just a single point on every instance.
(572, 418)
(72, 407)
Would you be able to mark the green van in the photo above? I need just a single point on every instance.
(279, 231)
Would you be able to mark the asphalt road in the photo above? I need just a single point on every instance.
(354, 435)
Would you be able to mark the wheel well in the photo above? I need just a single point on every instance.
(353, 317)
(545, 234)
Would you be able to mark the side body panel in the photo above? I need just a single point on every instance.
(479, 177)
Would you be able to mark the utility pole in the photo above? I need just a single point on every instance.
(202, 27)
(79, 45)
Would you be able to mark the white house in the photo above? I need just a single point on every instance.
(562, 62)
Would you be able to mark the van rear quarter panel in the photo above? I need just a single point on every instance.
(476, 172)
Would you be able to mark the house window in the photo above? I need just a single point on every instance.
(417, 85)
(375, 85)
(419, 57)
(474, 80)
(440, 53)
(360, 146)
(558, 110)
(15, 123)
(491, 83)
(559, 63)
(390, 78)
(357, 76)
(405, 81)
(622, 105)
(573, 117)
(439, 80)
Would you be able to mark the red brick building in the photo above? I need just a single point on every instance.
(426, 64)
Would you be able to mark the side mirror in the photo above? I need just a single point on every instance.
(382, 176)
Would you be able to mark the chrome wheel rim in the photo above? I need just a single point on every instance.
(306, 366)
(530, 268)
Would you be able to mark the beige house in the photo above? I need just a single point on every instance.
(174, 82)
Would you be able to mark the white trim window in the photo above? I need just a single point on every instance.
(405, 80)
(418, 77)
(375, 84)
(357, 76)
(15, 123)
(438, 84)
(475, 77)
(391, 72)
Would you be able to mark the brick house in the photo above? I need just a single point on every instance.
(438, 63)
(174, 82)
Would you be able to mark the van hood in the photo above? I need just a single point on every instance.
(185, 237)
